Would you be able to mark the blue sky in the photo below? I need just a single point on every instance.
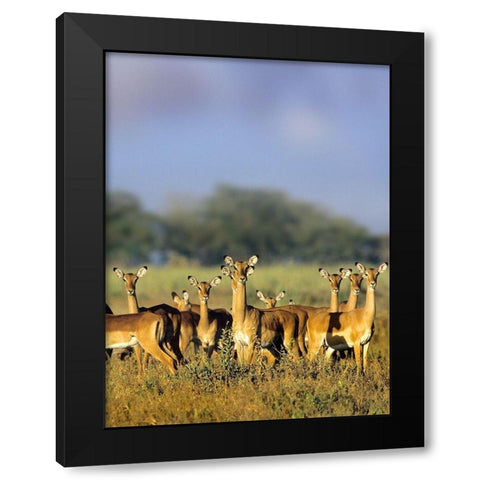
(177, 126)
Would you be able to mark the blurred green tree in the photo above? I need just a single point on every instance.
(238, 221)
(243, 221)
(131, 234)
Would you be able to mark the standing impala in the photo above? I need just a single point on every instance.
(173, 337)
(343, 330)
(183, 303)
(145, 330)
(305, 311)
(251, 326)
(130, 280)
(212, 322)
(355, 284)
(335, 279)
(270, 302)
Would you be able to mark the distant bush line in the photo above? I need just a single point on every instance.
(237, 221)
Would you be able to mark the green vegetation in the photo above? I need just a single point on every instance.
(239, 220)
(220, 390)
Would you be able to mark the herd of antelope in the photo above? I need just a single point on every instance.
(165, 332)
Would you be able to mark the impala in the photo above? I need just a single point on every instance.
(335, 279)
(173, 336)
(351, 303)
(355, 284)
(183, 303)
(251, 326)
(270, 302)
(130, 280)
(305, 311)
(182, 329)
(145, 329)
(212, 323)
(343, 330)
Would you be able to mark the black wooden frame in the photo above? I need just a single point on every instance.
(82, 41)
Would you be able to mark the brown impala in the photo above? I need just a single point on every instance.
(344, 330)
(251, 326)
(212, 322)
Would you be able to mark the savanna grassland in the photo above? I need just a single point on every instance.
(219, 390)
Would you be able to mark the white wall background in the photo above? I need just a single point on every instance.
(28, 245)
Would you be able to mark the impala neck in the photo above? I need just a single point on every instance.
(203, 323)
(239, 303)
(334, 302)
(132, 303)
(352, 301)
(370, 302)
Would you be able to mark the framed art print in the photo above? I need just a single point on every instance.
(240, 239)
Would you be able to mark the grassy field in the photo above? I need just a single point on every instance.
(220, 390)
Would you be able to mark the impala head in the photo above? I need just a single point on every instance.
(270, 302)
(335, 279)
(239, 271)
(204, 287)
(371, 274)
(183, 302)
(355, 279)
(130, 279)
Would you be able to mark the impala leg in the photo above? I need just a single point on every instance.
(301, 345)
(238, 350)
(365, 350)
(138, 354)
(314, 344)
(210, 350)
(302, 330)
(174, 347)
(184, 342)
(269, 356)
(357, 348)
(328, 355)
(249, 353)
(166, 348)
(291, 344)
(153, 349)
(145, 361)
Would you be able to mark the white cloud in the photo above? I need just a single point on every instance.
(302, 126)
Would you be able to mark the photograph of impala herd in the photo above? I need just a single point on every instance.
(247, 235)
(191, 357)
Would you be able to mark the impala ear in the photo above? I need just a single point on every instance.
(253, 260)
(226, 271)
(323, 272)
(175, 298)
(142, 271)
(193, 280)
(346, 272)
(215, 281)
(382, 267)
(260, 295)
(228, 260)
(249, 270)
(360, 267)
(118, 272)
(186, 296)
(280, 295)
